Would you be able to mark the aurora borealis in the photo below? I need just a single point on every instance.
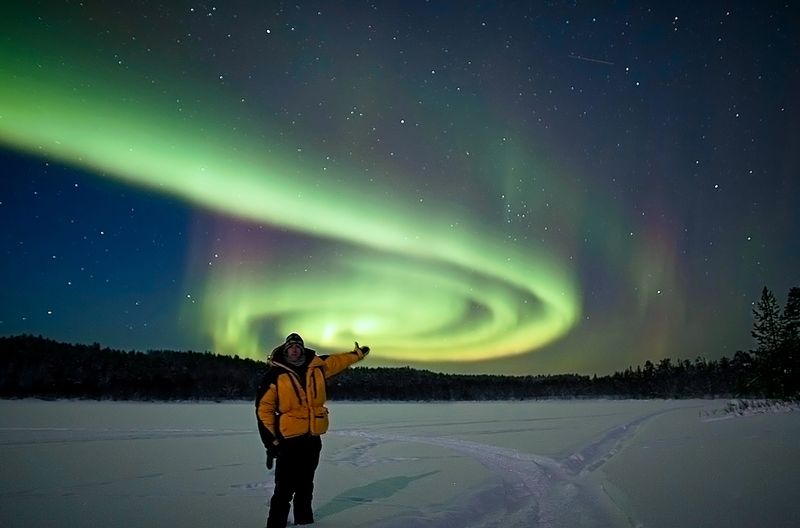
(488, 189)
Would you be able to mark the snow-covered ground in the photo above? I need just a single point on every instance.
(505, 464)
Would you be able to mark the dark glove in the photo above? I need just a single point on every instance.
(272, 454)
(364, 349)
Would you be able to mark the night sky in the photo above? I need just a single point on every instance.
(498, 187)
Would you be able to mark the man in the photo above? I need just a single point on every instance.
(290, 406)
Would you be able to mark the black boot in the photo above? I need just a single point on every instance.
(303, 514)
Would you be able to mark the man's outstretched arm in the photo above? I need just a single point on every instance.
(336, 363)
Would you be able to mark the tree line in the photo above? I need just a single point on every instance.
(33, 366)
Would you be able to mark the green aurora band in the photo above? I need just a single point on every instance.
(427, 286)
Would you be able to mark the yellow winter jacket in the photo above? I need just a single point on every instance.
(287, 408)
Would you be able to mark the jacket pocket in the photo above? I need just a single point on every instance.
(294, 423)
(320, 424)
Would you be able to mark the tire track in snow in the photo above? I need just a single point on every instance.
(535, 488)
(537, 491)
(603, 447)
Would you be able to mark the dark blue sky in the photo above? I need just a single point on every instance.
(566, 187)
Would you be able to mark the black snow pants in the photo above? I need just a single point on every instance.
(294, 480)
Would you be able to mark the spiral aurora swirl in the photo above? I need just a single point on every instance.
(427, 286)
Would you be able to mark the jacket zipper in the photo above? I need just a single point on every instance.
(314, 382)
(295, 381)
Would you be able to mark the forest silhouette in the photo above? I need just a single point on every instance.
(34, 366)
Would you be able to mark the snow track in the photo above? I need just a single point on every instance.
(532, 490)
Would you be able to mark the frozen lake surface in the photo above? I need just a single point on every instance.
(506, 464)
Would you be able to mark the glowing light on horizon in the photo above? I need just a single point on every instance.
(414, 288)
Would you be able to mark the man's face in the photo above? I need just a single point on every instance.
(294, 352)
